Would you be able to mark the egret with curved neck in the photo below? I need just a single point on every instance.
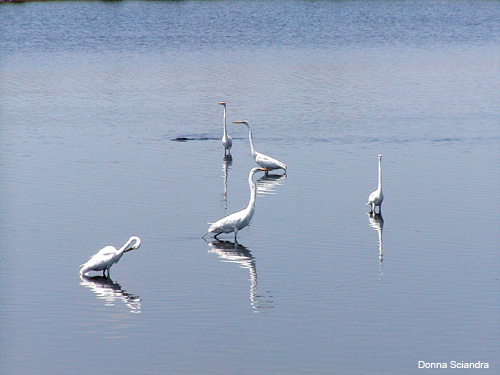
(107, 256)
(238, 220)
(227, 141)
(377, 197)
(265, 161)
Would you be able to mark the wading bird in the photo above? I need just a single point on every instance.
(238, 220)
(376, 198)
(261, 159)
(227, 141)
(108, 256)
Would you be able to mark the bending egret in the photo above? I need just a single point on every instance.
(377, 197)
(227, 141)
(108, 256)
(238, 220)
(261, 159)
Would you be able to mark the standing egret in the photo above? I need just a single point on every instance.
(108, 256)
(227, 141)
(261, 159)
(238, 220)
(377, 197)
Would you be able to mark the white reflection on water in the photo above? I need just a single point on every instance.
(236, 253)
(376, 221)
(267, 184)
(109, 291)
(227, 161)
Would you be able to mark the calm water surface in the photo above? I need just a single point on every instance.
(91, 97)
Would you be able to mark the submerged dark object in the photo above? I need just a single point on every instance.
(185, 139)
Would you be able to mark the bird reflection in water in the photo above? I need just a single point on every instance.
(266, 185)
(109, 291)
(227, 161)
(235, 253)
(376, 221)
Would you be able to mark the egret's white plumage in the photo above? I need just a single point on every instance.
(265, 161)
(238, 220)
(108, 256)
(227, 141)
(377, 197)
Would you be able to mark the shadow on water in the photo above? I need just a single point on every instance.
(376, 221)
(232, 252)
(109, 291)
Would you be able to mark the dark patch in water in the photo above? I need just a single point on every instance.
(197, 138)
(447, 140)
(185, 139)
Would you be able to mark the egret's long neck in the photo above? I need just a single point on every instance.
(224, 121)
(250, 137)
(127, 244)
(125, 247)
(379, 174)
(253, 193)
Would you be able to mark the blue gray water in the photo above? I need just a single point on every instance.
(92, 98)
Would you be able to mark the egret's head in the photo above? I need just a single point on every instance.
(245, 122)
(380, 156)
(222, 103)
(133, 243)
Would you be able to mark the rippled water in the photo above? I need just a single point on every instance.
(110, 128)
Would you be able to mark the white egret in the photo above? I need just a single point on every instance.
(238, 220)
(108, 256)
(261, 159)
(227, 141)
(376, 198)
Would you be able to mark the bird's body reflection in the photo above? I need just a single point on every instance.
(232, 252)
(226, 166)
(110, 291)
(266, 185)
(376, 221)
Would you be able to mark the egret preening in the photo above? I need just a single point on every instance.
(376, 198)
(238, 220)
(227, 141)
(261, 159)
(108, 256)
